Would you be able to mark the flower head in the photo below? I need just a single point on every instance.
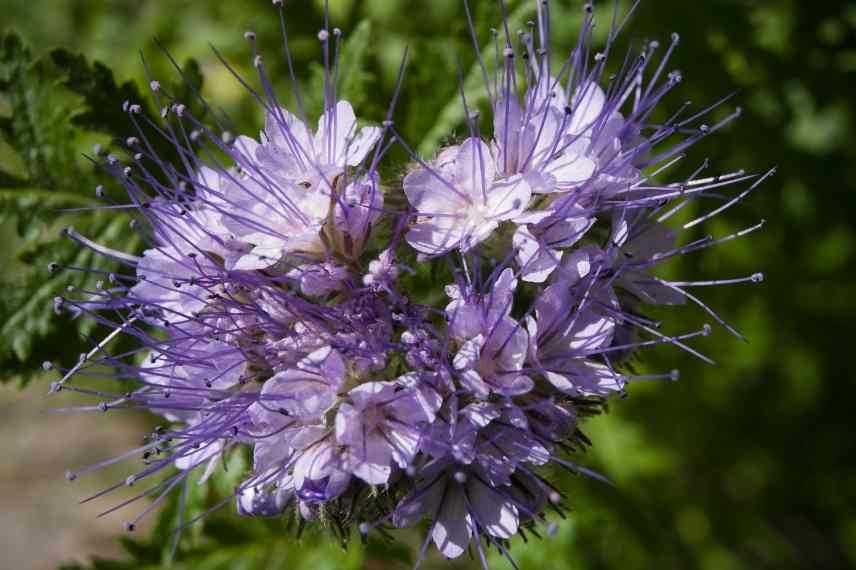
(272, 315)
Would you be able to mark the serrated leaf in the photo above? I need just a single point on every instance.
(53, 108)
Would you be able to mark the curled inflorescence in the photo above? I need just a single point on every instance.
(280, 304)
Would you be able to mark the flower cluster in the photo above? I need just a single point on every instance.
(278, 305)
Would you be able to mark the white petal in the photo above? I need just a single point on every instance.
(360, 145)
(452, 529)
(435, 237)
(474, 169)
(468, 355)
(508, 198)
(588, 106)
(493, 511)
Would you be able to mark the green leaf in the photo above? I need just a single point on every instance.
(354, 75)
(183, 505)
(452, 113)
(51, 111)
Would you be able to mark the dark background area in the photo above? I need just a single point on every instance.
(745, 465)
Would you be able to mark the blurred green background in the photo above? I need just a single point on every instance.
(746, 465)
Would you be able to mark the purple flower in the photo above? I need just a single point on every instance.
(564, 349)
(307, 390)
(541, 242)
(277, 308)
(461, 506)
(295, 154)
(381, 424)
(460, 200)
(537, 140)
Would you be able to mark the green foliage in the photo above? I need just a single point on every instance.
(52, 107)
(46, 175)
(239, 545)
(354, 75)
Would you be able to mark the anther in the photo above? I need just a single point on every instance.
(131, 480)
(129, 526)
(70, 475)
(47, 366)
(364, 528)
(135, 109)
(705, 330)
(250, 36)
(53, 267)
(552, 528)
(460, 477)
(257, 61)
(676, 37)
(99, 191)
(96, 149)
(508, 52)
(675, 375)
(55, 388)
(132, 141)
(757, 277)
(337, 32)
(323, 35)
(154, 85)
(555, 497)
